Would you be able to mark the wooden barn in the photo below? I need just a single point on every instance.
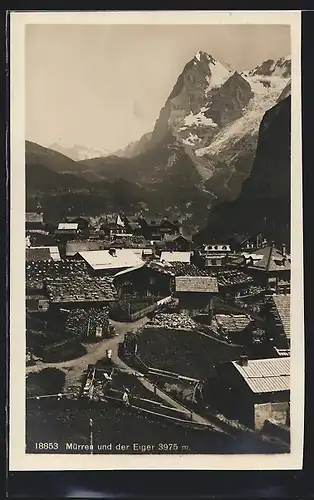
(253, 391)
(196, 293)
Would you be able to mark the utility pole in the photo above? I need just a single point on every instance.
(88, 326)
(91, 439)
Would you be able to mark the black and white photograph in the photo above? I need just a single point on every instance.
(156, 275)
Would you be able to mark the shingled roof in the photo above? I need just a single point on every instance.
(282, 303)
(203, 284)
(33, 254)
(233, 322)
(271, 259)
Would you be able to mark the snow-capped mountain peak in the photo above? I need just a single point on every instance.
(270, 67)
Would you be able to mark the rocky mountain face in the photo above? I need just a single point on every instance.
(214, 115)
(202, 147)
(264, 202)
(281, 67)
(135, 148)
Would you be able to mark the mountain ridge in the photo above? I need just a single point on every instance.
(202, 146)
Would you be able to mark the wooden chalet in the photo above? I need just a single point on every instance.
(155, 228)
(196, 293)
(149, 279)
(269, 266)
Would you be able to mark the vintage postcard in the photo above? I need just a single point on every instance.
(156, 279)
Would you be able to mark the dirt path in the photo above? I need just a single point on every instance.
(75, 368)
(195, 417)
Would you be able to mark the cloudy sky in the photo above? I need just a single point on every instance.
(102, 86)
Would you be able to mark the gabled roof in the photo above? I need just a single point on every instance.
(156, 266)
(129, 270)
(174, 237)
(176, 256)
(282, 304)
(271, 260)
(266, 375)
(152, 221)
(103, 259)
(204, 284)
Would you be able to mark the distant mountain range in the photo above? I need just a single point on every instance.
(78, 153)
(197, 157)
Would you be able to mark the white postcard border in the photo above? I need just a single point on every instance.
(18, 459)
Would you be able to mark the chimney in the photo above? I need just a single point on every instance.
(113, 252)
(283, 250)
(244, 360)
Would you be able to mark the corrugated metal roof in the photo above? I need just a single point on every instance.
(71, 226)
(176, 256)
(282, 303)
(266, 375)
(103, 259)
(203, 284)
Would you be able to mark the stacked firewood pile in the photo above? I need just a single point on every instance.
(173, 321)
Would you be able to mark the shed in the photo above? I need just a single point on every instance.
(255, 390)
(195, 294)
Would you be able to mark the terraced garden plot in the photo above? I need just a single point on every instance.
(187, 353)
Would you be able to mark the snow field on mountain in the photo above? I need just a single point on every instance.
(264, 98)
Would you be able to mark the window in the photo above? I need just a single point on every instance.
(214, 262)
(216, 247)
(224, 247)
(98, 331)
